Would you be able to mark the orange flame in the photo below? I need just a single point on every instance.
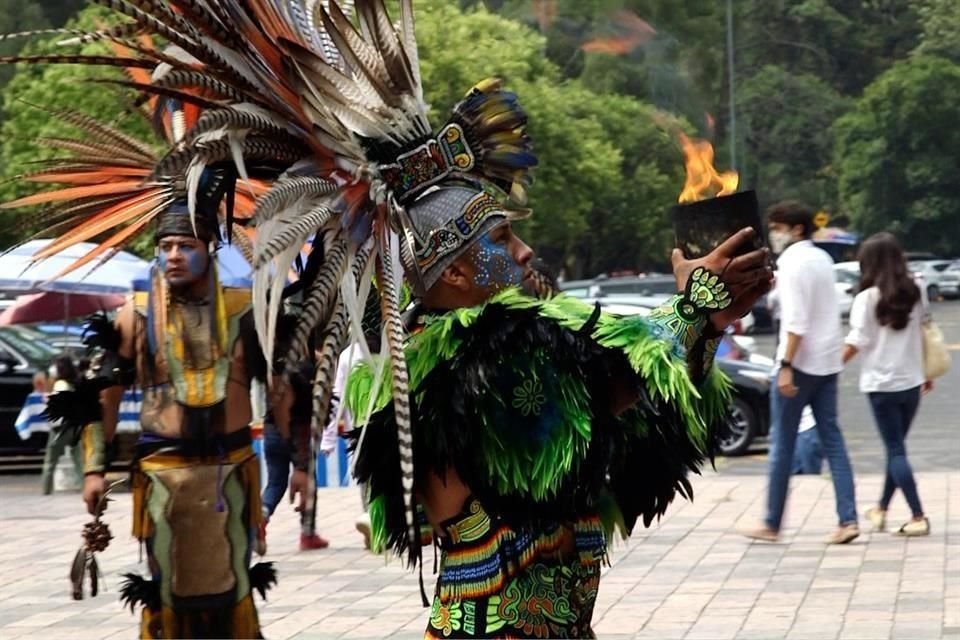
(703, 181)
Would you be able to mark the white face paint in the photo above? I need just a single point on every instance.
(779, 241)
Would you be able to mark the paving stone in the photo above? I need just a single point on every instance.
(692, 577)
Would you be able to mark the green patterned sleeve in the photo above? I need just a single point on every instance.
(691, 330)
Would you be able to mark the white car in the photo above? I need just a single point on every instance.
(847, 283)
(743, 326)
(938, 278)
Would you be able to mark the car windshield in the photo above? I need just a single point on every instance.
(29, 344)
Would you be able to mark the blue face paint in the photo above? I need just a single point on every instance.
(189, 266)
(196, 261)
(496, 267)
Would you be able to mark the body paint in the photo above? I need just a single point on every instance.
(194, 262)
(496, 267)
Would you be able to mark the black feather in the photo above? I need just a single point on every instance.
(100, 332)
(262, 577)
(138, 591)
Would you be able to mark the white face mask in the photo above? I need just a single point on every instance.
(779, 241)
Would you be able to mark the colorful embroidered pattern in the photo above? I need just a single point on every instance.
(481, 555)
(549, 599)
(429, 163)
(452, 235)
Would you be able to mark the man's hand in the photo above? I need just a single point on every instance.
(785, 382)
(298, 486)
(94, 486)
(927, 387)
(747, 277)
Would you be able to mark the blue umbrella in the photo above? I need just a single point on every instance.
(232, 267)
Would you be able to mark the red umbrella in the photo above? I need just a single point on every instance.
(51, 306)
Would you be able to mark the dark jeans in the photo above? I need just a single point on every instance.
(276, 450)
(808, 456)
(820, 392)
(894, 412)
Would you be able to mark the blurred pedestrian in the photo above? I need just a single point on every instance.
(885, 327)
(63, 376)
(809, 361)
(278, 451)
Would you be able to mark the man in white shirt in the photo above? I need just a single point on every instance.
(809, 356)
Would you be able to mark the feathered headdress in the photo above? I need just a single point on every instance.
(334, 106)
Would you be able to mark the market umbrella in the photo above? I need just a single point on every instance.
(52, 305)
(113, 276)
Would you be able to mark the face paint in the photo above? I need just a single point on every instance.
(189, 266)
(196, 261)
(496, 267)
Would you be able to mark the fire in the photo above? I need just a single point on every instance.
(703, 181)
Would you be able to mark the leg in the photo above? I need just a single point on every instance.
(51, 456)
(823, 401)
(308, 524)
(889, 411)
(277, 454)
(785, 417)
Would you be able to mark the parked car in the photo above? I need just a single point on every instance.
(847, 284)
(23, 352)
(647, 291)
(750, 374)
(658, 286)
(938, 278)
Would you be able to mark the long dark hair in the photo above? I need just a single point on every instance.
(883, 265)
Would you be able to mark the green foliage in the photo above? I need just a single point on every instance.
(786, 120)
(607, 173)
(54, 87)
(941, 28)
(896, 155)
(17, 16)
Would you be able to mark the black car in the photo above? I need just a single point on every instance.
(750, 409)
(23, 352)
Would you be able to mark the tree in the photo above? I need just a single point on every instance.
(941, 28)
(786, 119)
(54, 87)
(896, 155)
(608, 172)
(17, 16)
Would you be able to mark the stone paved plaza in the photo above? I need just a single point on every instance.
(691, 576)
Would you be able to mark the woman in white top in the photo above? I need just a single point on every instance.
(885, 326)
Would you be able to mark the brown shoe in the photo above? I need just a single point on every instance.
(843, 534)
(766, 534)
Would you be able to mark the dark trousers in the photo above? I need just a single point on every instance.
(277, 453)
(894, 412)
